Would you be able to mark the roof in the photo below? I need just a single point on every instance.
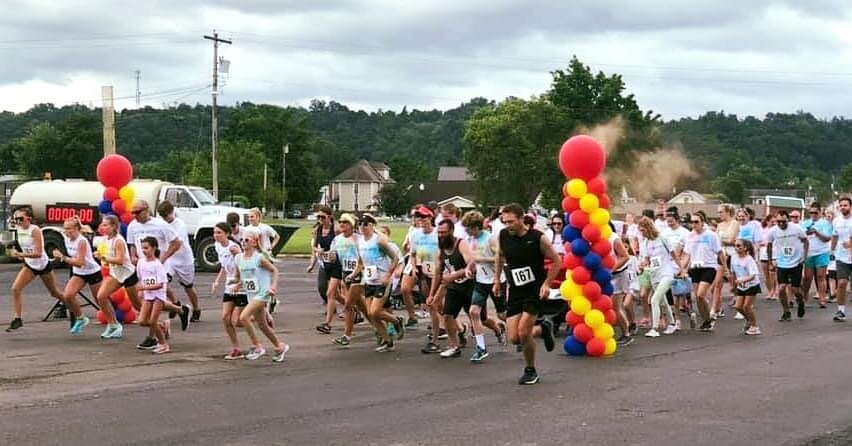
(467, 202)
(362, 172)
(378, 165)
(785, 202)
(451, 173)
(692, 195)
(775, 192)
(441, 190)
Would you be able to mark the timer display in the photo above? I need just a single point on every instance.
(58, 213)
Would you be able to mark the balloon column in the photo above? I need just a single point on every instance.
(115, 173)
(121, 304)
(588, 253)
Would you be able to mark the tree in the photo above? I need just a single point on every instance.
(240, 170)
(406, 170)
(71, 149)
(392, 199)
(844, 178)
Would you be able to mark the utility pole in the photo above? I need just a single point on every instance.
(284, 151)
(138, 91)
(108, 118)
(215, 118)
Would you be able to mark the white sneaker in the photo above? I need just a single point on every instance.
(671, 329)
(739, 316)
(677, 325)
(652, 333)
(753, 331)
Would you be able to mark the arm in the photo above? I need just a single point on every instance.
(218, 279)
(275, 237)
(621, 256)
(436, 280)
(267, 265)
(498, 270)
(174, 246)
(315, 250)
(823, 236)
(38, 247)
(386, 248)
(120, 255)
(556, 265)
(77, 261)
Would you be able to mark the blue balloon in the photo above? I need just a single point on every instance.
(119, 315)
(570, 233)
(105, 207)
(592, 261)
(602, 276)
(574, 347)
(580, 247)
(608, 289)
(123, 229)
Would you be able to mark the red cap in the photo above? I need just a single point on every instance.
(423, 210)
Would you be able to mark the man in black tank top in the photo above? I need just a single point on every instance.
(522, 251)
(453, 269)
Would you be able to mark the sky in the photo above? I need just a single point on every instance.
(679, 59)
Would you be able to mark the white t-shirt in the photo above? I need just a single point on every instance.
(154, 227)
(90, 266)
(744, 267)
(184, 256)
(659, 257)
(555, 239)
(843, 231)
(703, 249)
(267, 234)
(661, 225)
(675, 237)
(787, 247)
(151, 273)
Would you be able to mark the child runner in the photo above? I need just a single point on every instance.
(232, 303)
(258, 277)
(152, 284)
(747, 279)
(682, 287)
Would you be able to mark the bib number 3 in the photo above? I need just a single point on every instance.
(522, 276)
(371, 272)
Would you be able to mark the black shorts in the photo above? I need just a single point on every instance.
(750, 292)
(91, 279)
(790, 276)
(335, 271)
(39, 272)
(844, 271)
(239, 300)
(131, 281)
(520, 303)
(832, 275)
(706, 275)
(375, 291)
(456, 300)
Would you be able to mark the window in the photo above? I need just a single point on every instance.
(180, 198)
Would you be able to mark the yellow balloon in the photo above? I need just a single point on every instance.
(576, 188)
(604, 332)
(594, 318)
(581, 305)
(102, 249)
(606, 231)
(127, 194)
(570, 289)
(610, 347)
(599, 217)
(564, 290)
(589, 202)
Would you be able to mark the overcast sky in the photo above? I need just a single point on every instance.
(679, 58)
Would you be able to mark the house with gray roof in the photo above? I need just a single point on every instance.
(355, 189)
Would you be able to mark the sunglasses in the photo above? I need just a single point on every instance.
(660, 215)
(322, 217)
(138, 211)
(739, 246)
(419, 216)
(366, 223)
(246, 239)
(695, 222)
(19, 219)
(234, 226)
(813, 213)
(556, 223)
(795, 216)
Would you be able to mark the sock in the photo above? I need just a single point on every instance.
(480, 341)
(842, 308)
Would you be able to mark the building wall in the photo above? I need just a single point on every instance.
(345, 194)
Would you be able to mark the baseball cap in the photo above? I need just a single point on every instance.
(423, 210)
(348, 218)
(367, 218)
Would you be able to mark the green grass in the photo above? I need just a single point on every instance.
(300, 242)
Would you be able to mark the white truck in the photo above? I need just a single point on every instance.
(55, 201)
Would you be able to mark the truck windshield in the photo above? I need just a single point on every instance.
(202, 196)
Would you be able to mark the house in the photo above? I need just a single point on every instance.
(356, 188)
(454, 185)
(757, 197)
(687, 197)
(773, 204)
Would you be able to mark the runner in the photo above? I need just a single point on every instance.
(705, 260)
(329, 274)
(747, 280)
(232, 303)
(376, 261)
(727, 229)
(84, 270)
(345, 248)
(831, 270)
(258, 278)
(841, 246)
(790, 244)
(523, 252)
(153, 280)
(675, 236)
(553, 234)
(122, 274)
(424, 250)
(181, 265)
(409, 276)
(483, 245)
(450, 212)
(644, 278)
(769, 278)
(268, 236)
(233, 220)
(30, 249)
(819, 232)
(656, 257)
(620, 287)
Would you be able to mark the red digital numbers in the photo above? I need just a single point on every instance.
(60, 213)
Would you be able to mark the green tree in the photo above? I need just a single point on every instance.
(240, 170)
(70, 149)
(844, 178)
(392, 199)
(406, 170)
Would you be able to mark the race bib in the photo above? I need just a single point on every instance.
(787, 251)
(250, 285)
(522, 276)
(349, 264)
(482, 270)
(655, 262)
(327, 256)
(407, 270)
(371, 272)
(428, 268)
(149, 281)
(28, 250)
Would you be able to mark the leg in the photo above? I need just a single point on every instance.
(452, 330)
(821, 279)
(644, 299)
(701, 301)
(618, 306)
(109, 286)
(627, 305)
(49, 281)
(322, 285)
(526, 337)
(145, 314)
(227, 320)
(263, 324)
(253, 308)
(134, 298)
(193, 297)
(407, 288)
(807, 279)
(72, 287)
(154, 322)
(740, 307)
(748, 307)
(377, 317)
(24, 277)
(332, 298)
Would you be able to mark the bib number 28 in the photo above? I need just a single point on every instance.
(522, 276)
(250, 285)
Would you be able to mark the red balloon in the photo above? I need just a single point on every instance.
(603, 304)
(110, 194)
(114, 171)
(582, 333)
(570, 261)
(581, 275)
(592, 291)
(126, 218)
(573, 319)
(603, 201)
(118, 296)
(119, 206)
(570, 204)
(591, 233)
(610, 317)
(101, 317)
(582, 157)
(125, 305)
(595, 347)
(578, 219)
(130, 316)
(596, 186)
(608, 262)
(602, 248)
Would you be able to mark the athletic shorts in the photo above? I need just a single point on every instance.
(706, 275)
(151, 297)
(457, 299)
(790, 276)
(335, 271)
(832, 274)
(621, 282)
(844, 271)
(750, 292)
(262, 297)
(645, 279)
(91, 279)
(184, 275)
(517, 304)
(377, 291)
(39, 272)
(131, 281)
(818, 261)
(481, 293)
(239, 300)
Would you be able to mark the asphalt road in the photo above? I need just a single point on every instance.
(789, 386)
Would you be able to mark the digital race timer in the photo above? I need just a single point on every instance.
(58, 213)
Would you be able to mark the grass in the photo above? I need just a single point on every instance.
(300, 242)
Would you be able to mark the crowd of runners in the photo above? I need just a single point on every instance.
(671, 267)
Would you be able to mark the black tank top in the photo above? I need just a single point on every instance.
(454, 261)
(524, 262)
(324, 241)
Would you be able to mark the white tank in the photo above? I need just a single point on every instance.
(38, 194)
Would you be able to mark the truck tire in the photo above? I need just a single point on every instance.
(205, 255)
(53, 240)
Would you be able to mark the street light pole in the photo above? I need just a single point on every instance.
(284, 151)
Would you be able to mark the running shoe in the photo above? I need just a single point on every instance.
(385, 347)
(529, 377)
(235, 354)
(185, 311)
(451, 352)
(753, 331)
(720, 314)
(72, 318)
(430, 348)
(16, 324)
(79, 324)
(800, 310)
(148, 343)
(411, 323)
(693, 320)
(519, 348)
(442, 333)
(463, 336)
(670, 330)
(739, 317)
(324, 328)
(839, 316)
(547, 334)
(160, 349)
(502, 339)
(706, 326)
(359, 319)
(785, 317)
(114, 332)
(272, 304)
(624, 340)
(255, 353)
(652, 333)
(342, 341)
(399, 326)
(633, 329)
(677, 324)
(167, 328)
(823, 305)
(279, 354)
(196, 316)
(422, 314)
(479, 354)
